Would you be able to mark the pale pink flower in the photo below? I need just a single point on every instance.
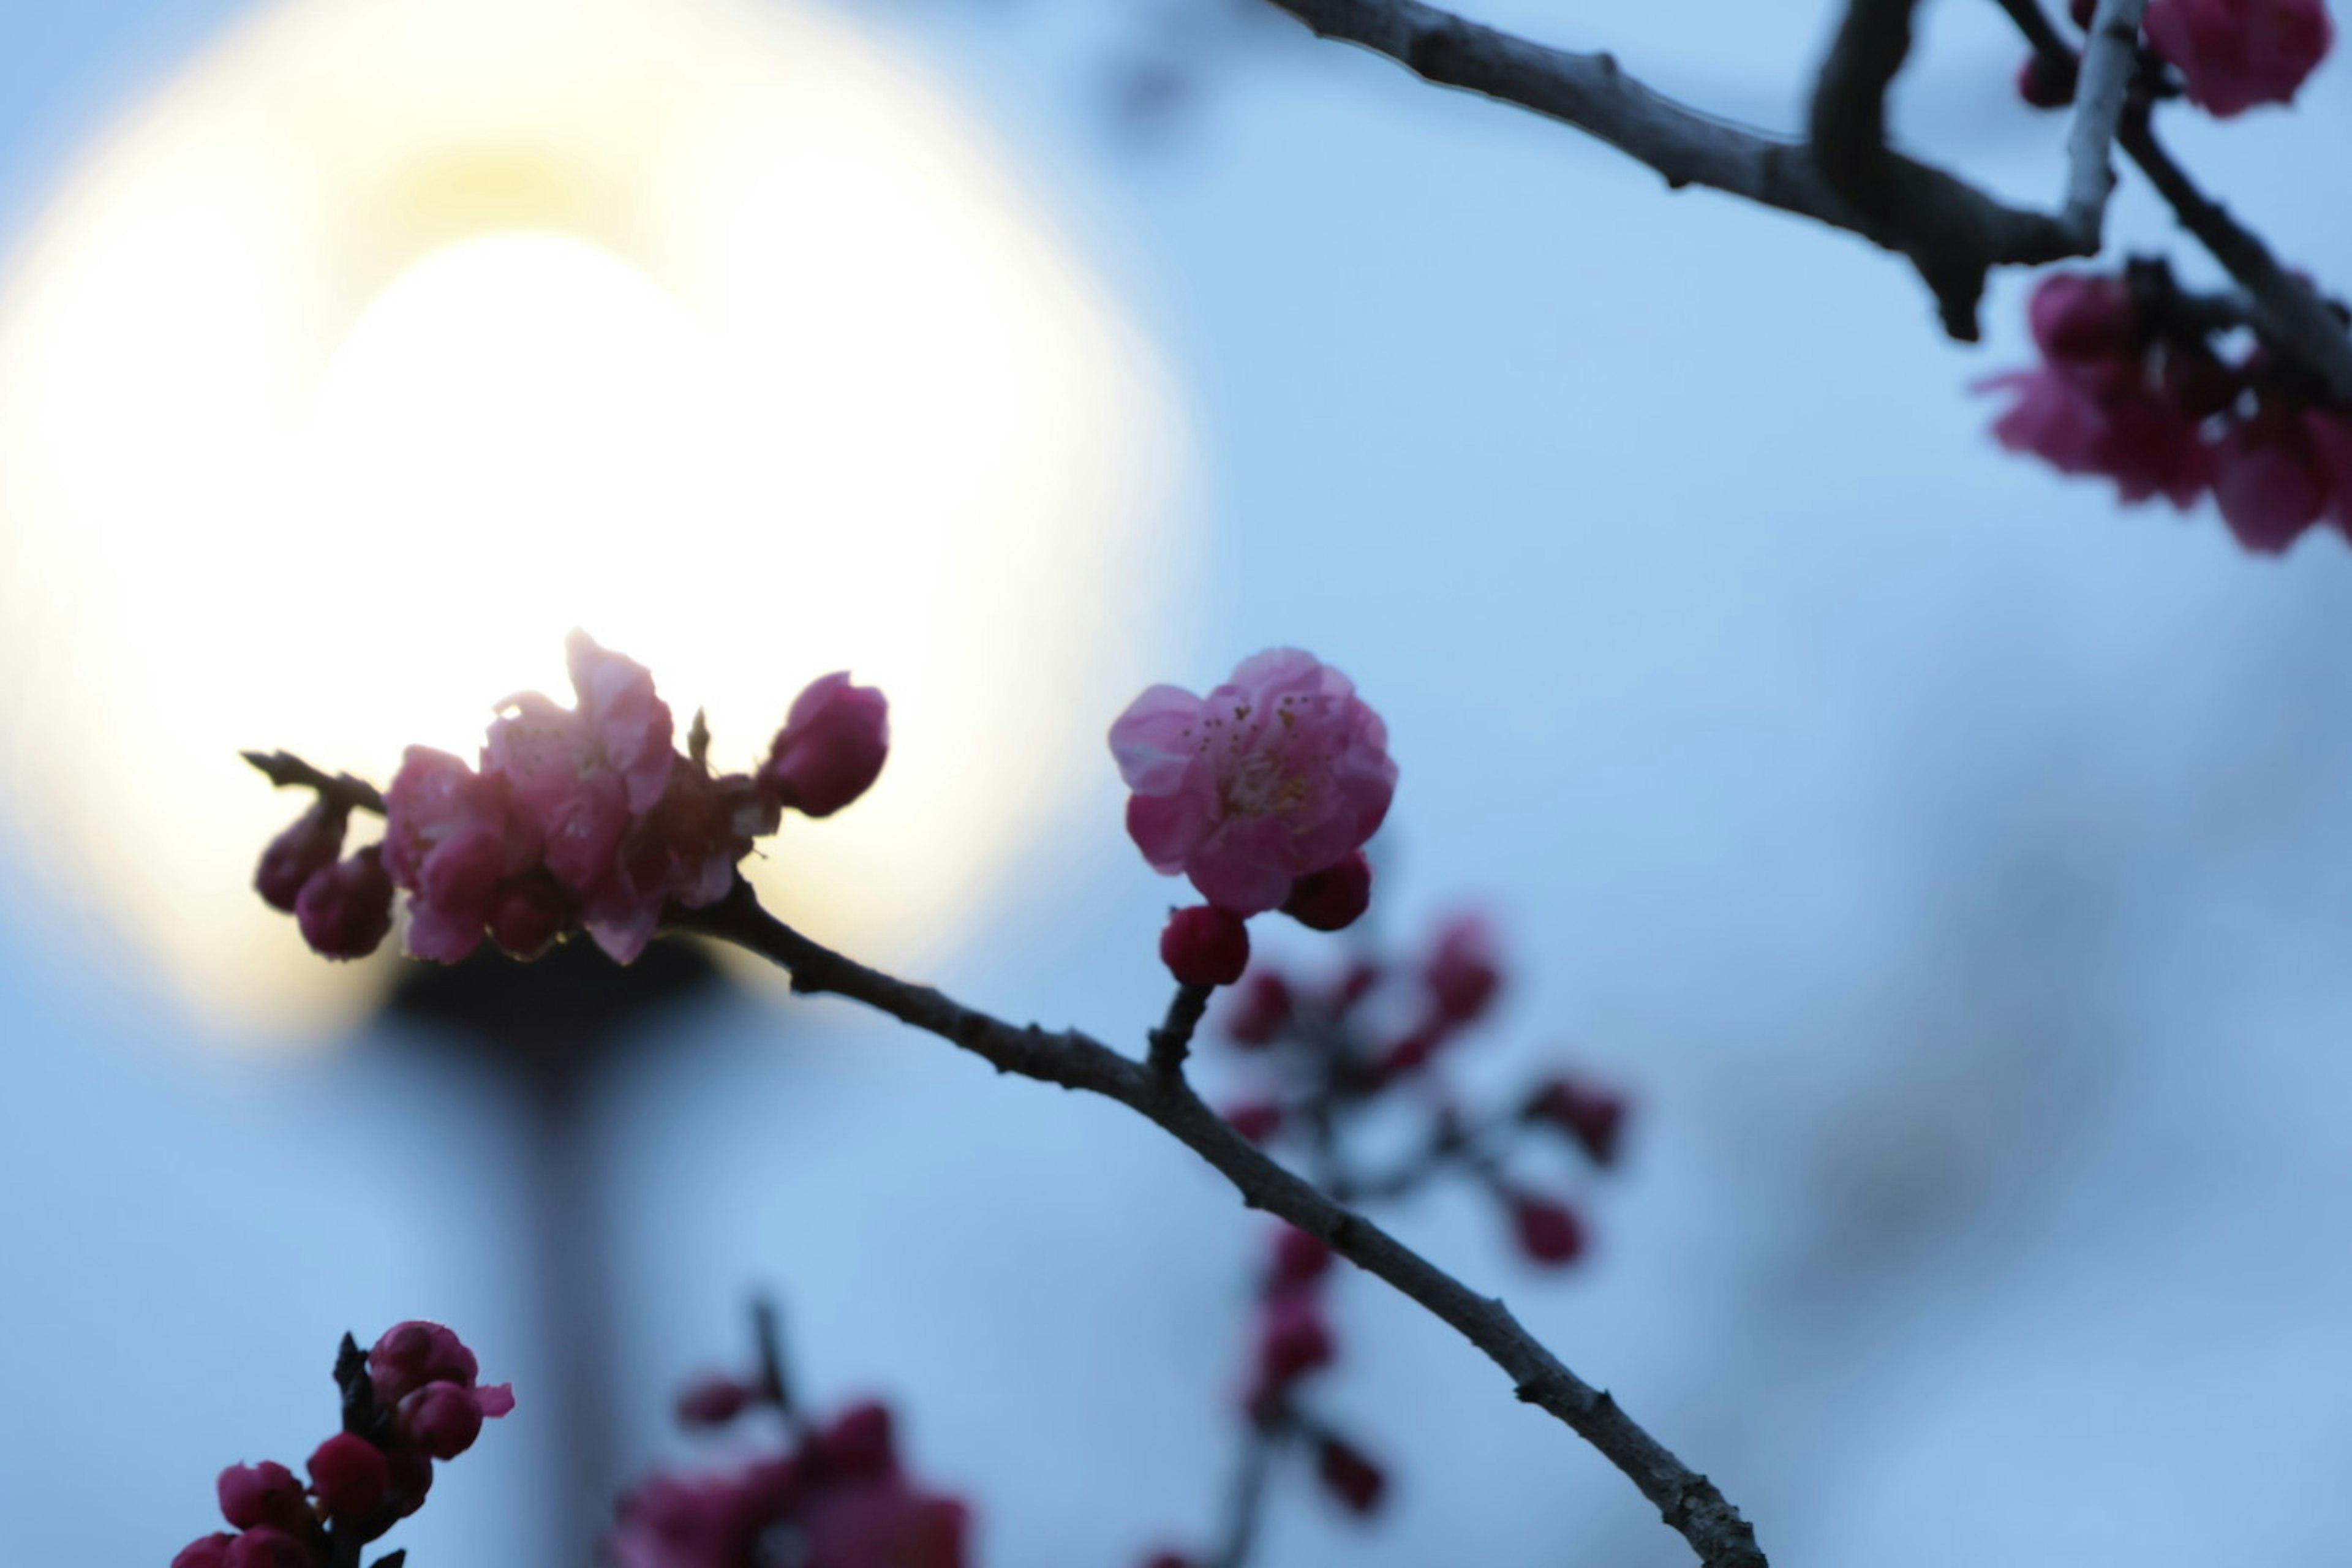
(451, 837)
(1280, 773)
(2236, 54)
(684, 851)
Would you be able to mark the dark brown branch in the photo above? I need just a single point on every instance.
(1173, 1039)
(2291, 313)
(1688, 1501)
(1952, 231)
(288, 770)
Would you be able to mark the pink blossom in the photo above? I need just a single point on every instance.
(832, 747)
(882, 1522)
(1349, 1476)
(2144, 441)
(345, 911)
(312, 844)
(207, 1552)
(583, 771)
(1334, 898)
(700, 1521)
(531, 911)
(451, 836)
(1204, 945)
(2271, 479)
(441, 1419)
(1294, 1339)
(2236, 54)
(2087, 325)
(1549, 1233)
(410, 1354)
(1464, 971)
(1274, 775)
(350, 1476)
(715, 1401)
(1261, 1010)
(861, 1441)
(267, 1548)
(268, 1493)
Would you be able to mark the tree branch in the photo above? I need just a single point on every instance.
(2110, 61)
(288, 770)
(2291, 313)
(1952, 231)
(1688, 1501)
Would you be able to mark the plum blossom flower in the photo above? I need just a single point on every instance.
(582, 771)
(2237, 54)
(451, 836)
(1278, 773)
(832, 747)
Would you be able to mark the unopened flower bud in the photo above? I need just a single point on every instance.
(268, 1548)
(1593, 1116)
(1261, 1009)
(345, 911)
(210, 1551)
(440, 1419)
(832, 747)
(1549, 1232)
(350, 1476)
(2047, 81)
(1351, 1477)
(1333, 899)
(252, 1496)
(529, 911)
(411, 1478)
(417, 1353)
(312, 844)
(1204, 945)
(715, 1401)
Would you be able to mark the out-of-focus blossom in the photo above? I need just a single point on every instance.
(832, 747)
(1349, 1476)
(312, 844)
(1549, 1232)
(1274, 775)
(1464, 970)
(1261, 1009)
(345, 911)
(451, 836)
(2272, 477)
(1334, 898)
(1593, 1116)
(2237, 54)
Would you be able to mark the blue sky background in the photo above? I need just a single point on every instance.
(1954, 865)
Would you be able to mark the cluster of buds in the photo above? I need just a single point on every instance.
(1375, 1036)
(1264, 793)
(2231, 55)
(581, 817)
(416, 1398)
(835, 1496)
(2134, 385)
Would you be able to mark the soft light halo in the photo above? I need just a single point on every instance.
(392, 340)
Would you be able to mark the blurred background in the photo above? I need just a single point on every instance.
(1952, 865)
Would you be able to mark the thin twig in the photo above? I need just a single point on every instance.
(1246, 1507)
(2293, 315)
(1687, 1500)
(288, 770)
(1590, 92)
(1173, 1039)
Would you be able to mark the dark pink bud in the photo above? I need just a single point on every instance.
(1298, 1257)
(1204, 945)
(2236, 54)
(1293, 1339)
(1256, 1120)
(529, 911)
(266, 1493)
(1261, 1009)
(1333, 899)
(2271, 477)
(715, 1401)
(1464, 973)
(1356, 1482)
(311, 844)
(2088, 326)
(211, 1551)
(411, 1478)
(1549, 1232)
(1593, 1116)
(2047, 81)
(345, 911)
(350, 1476)
(268, 1548)
(417, 1353)
(832, 747)
(441, 1419)
(859, 1442)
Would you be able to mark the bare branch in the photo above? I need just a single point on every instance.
(1688, 1501)
(288, 770)
(2110, 61)
(1952, 231)
(2291, 313)
(1173, 1039)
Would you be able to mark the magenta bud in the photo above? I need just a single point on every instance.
(715, 1401)
(1293, 1339)
(209, 1552)
(1333, 899)
(417, 1353)
(832, 747)
(350, 1476)
(2047, 81)
(254, 1495)
(268, 1548)
(441, 1419)
(1204, 945)
(345, 911)
(1261, 1009)
(312, 844)
(529, 911)
(1549, 1232)
(411, 1478)
(859, 1442)
(1356, 1482)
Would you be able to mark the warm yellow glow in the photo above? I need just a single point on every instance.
(401, 337)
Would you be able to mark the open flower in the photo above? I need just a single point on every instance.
(1280, 773)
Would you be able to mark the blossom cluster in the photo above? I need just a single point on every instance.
(836, 1497)
(2134, 385)
(415, 1398)
(585, 816)
(2231, 55)
(1264, 793)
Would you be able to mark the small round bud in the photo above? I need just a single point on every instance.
(252, 1496)
(1204, 945)
(1549, 1232)
(529, 911)
(268, 1548)
(441, 1419)
(2047, 81)
(350, 1476)
(345, 911)
(312, 844)
(1333, 899)
(1464, 973)
(210, 1551)
(832, 747)
(1348, 1475)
